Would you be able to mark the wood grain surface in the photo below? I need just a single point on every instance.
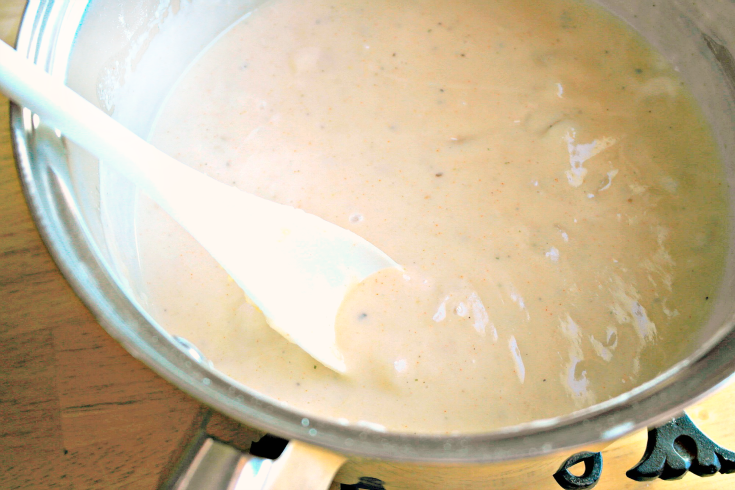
(77, 411)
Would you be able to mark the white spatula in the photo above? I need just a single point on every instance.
(294, 266)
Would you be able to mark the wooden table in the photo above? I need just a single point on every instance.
(77, 411)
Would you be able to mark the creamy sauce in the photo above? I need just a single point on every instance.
(543, 175)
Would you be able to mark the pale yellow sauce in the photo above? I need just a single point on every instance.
(543, 176)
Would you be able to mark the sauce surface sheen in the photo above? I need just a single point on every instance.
(544, 177)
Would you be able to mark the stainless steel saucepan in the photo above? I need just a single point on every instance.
(124, 55)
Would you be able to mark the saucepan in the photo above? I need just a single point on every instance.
(113, 52)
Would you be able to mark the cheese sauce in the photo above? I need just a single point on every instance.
(544, 177)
